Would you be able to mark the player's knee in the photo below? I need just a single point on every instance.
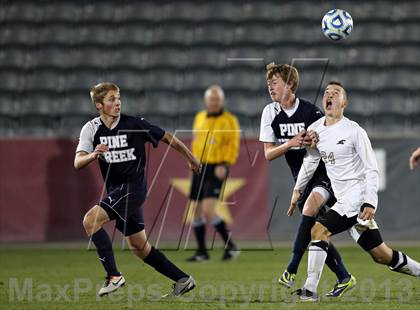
(210, 217)
(310, 210)
(198, 215)
(89, 223)
(319, 232)
(312, 205)
(141, 251)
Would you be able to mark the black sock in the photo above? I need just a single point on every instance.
(335, 263)
(324, 245)
(220, 227)
(302, 240)
(399, 259)
(106, 254)
(200, 234)
(158, 260)
(395, 259)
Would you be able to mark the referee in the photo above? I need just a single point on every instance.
(216, 143)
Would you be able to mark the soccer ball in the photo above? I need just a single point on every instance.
(337, 24)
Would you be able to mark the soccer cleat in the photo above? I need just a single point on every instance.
(287, 279)
(340, 288)
(306, 295)
(181, 287)
(111, 284)
(231, 253)
(199, 257)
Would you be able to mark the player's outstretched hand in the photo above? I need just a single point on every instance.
(311, 138)
(367, 212)
(298, 140)
(99, 150)
(194, 165)
(414, 159)
(293, 202)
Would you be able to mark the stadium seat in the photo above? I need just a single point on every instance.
(6, 126)
(165, 54)
(74, 103)
(36, 125)
(39, 105)
(12, 80)
(13, 58)
(9, 105)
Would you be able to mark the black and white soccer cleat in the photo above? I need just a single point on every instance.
(111, 284)
(181, 287)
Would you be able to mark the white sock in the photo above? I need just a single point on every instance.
(406, 265)
(316, 262)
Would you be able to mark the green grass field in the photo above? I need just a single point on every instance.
(66, 278)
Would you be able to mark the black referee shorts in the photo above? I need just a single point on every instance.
(206, 184)
(124, 205)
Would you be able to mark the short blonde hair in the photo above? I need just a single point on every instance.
(99, 91)
(288, 74)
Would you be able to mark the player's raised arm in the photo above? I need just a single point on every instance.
(175, 143)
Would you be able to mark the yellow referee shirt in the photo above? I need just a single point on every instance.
(216, 138)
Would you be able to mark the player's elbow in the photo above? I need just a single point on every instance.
(77, 164)
(268, 155)
(168, 138)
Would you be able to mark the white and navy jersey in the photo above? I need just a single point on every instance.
(350, 161)
(279, 126)
(125, 161)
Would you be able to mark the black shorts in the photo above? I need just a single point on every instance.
(336, 223)
(318, 180)
(206, 184)
(124, 205)
(367, 238)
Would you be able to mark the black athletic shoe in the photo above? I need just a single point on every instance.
(181, 287)
(231, 253)
(306, 295)
(199, 257)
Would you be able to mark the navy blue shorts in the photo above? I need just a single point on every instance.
(206, 184)
(124, 205)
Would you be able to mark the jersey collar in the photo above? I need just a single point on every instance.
(295, 106)
(115, 124)
(215, 114)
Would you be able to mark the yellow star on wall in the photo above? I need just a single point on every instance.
(232, 185)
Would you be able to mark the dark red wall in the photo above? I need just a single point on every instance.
(43, 198)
